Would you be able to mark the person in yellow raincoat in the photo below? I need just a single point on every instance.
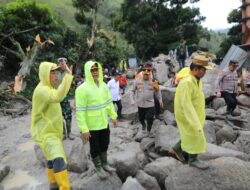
(47, 122)
(189, 109)
(93, 107)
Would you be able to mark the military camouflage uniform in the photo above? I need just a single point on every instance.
(66, 112)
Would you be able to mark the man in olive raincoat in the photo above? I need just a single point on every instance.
(47, 122)
(93, 106)
(189, 109)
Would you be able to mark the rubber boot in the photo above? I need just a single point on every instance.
(178, 152)
(62, 180)
(99, 170)
(194, 162)
(105, 165)
(64, 137)
(52, 180)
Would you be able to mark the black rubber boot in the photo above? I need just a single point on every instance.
(99, 170)
(178, 152)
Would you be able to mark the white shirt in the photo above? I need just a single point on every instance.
(114, 89)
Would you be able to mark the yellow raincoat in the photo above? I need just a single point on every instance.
(47, 123)
(189, 108)
(93, 103)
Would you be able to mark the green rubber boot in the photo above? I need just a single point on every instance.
(194, 162)
(99, 170)
(105, 165)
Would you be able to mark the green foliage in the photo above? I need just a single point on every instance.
(234, 33)
(155, 27)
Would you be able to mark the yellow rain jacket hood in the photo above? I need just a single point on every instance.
(93, 103)
(189, 108)
(47, 123)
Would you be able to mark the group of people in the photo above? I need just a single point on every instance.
(94, 101)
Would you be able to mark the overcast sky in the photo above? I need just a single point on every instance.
(216, 12)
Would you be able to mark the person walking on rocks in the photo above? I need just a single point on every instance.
(189, 109)
(114, 87)
(93, 106)
(47, 121)
(142, 94)
(227, 86)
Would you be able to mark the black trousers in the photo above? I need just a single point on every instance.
(119, 108)
(157, 106)
(230, 99)
(99, 141)
(148, 115)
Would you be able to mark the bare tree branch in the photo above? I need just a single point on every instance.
(13, 52)
(15, 33)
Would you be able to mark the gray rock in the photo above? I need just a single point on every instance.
(147, 144)
(169, 118)
(4, 171)
(168, 98)
(93, 182)
(223, 174)
(226, 134)
(128, 111)
(230, 145)
(244, 100)
(209, 83)
(162, 72)
(161, 168)
(218, 103)
(127, 159)
(147, 181)
(132, 183)
(166, 137)
(75, 154)
(210, 111)
(214, 152)
(243, 142)
(210, 132)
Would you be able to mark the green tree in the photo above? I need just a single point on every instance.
(157, 26)
(234, 33)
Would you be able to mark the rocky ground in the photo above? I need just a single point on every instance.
(142, 162)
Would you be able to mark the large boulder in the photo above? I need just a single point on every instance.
(166, 137)
(243, 142)
(127, 159)
(218, 103)
(169, 118)
(214, 152)
(244, 100)
(210, 132)
(162, 72)
(132, 183)
(75, 153)
(226, 134)
(161, 168)
(168, 98)
(224, 173)
(209, 83)
(93, 182)
(147, 181)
